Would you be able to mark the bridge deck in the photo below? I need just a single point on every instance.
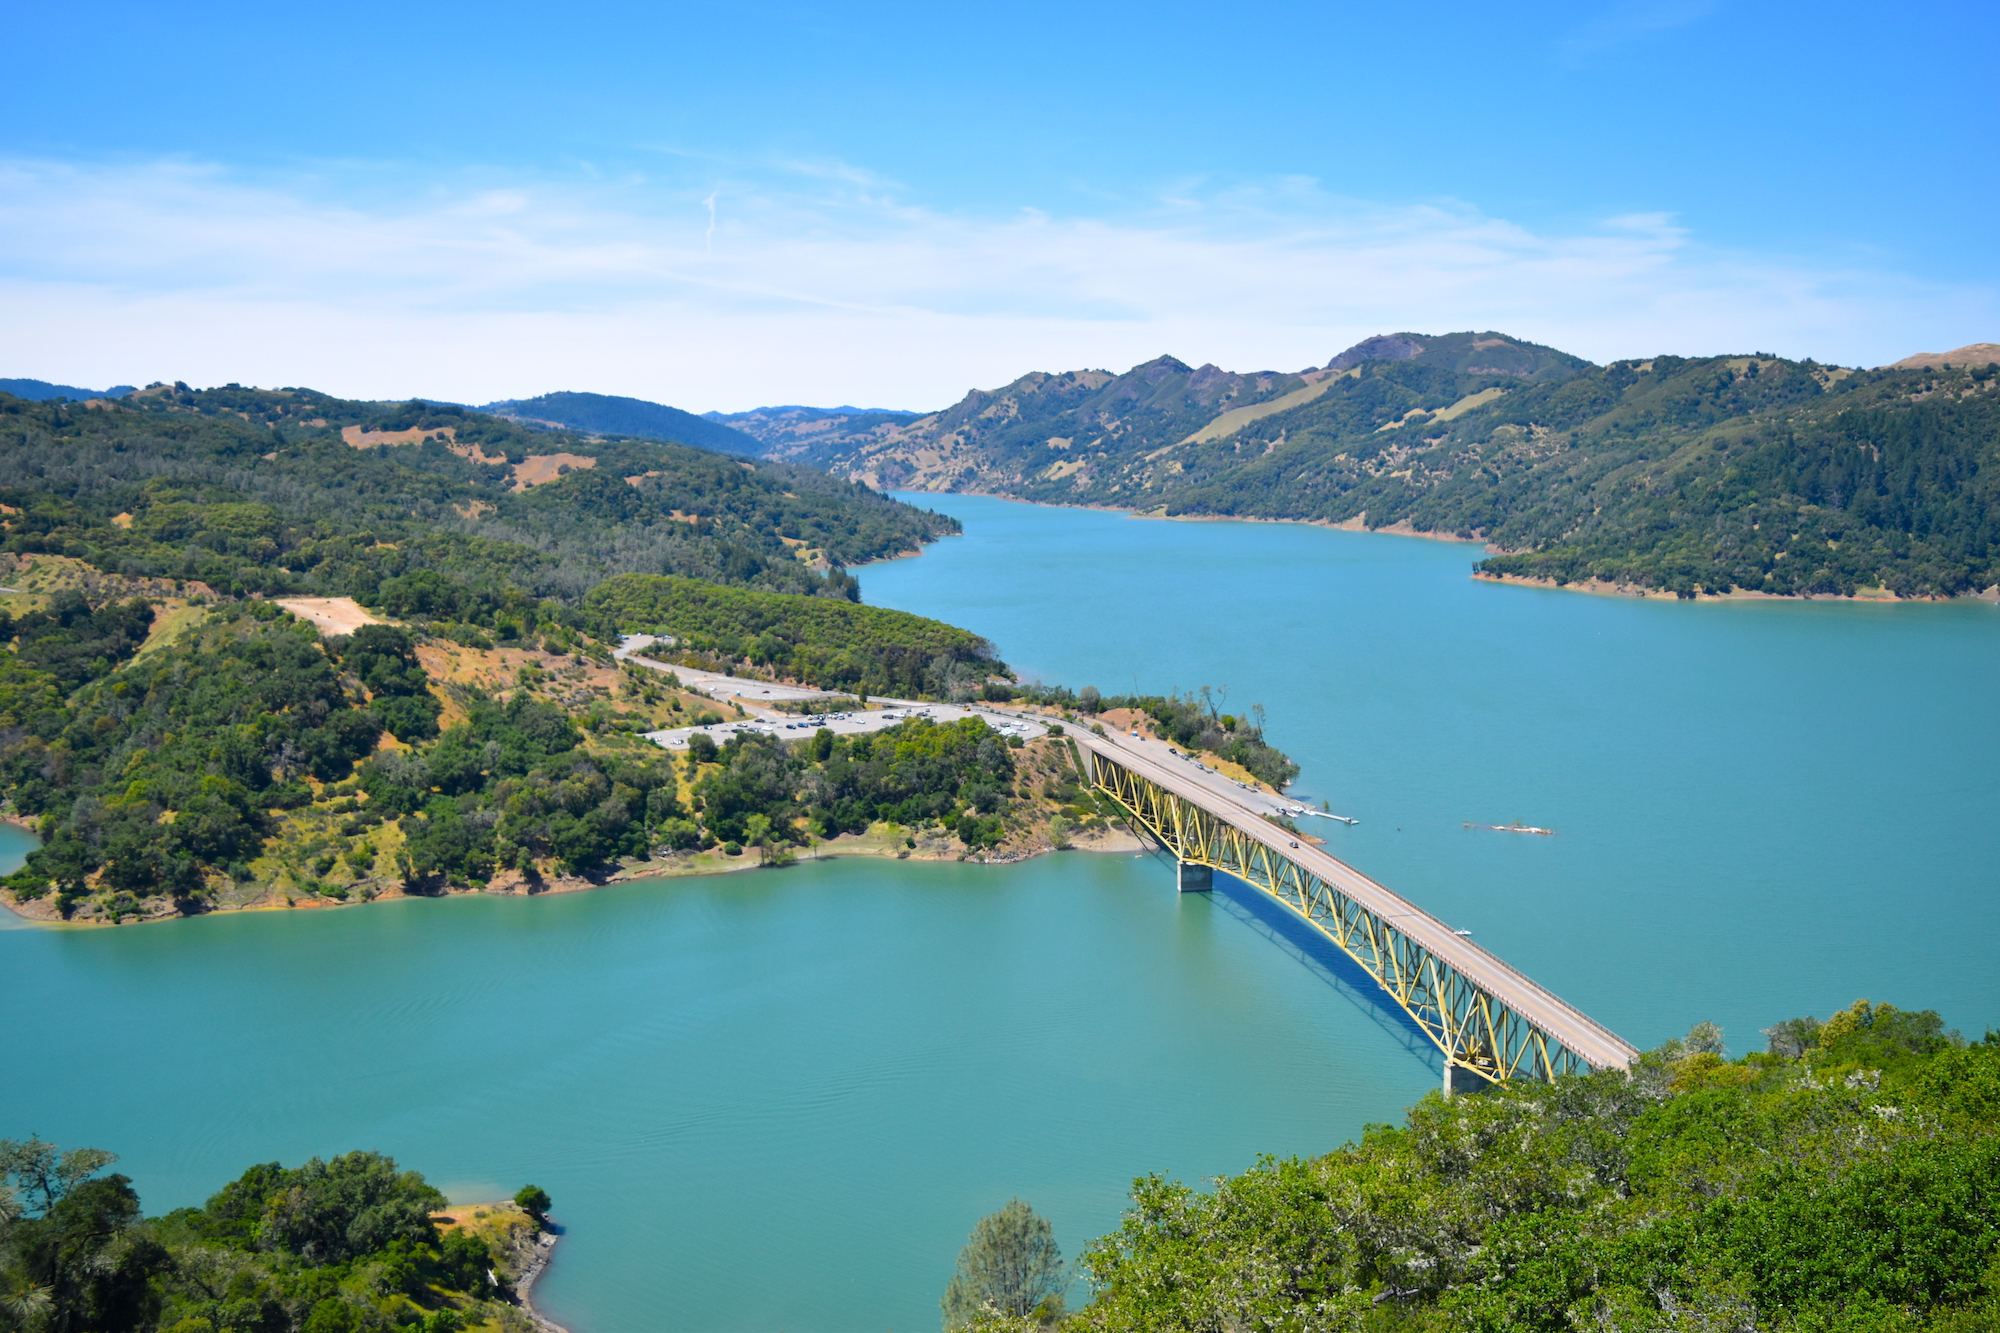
(1590, 1040)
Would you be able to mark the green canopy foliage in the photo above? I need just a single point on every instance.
(959, 774)
(257, 491)
(1848, 1179)
(159, 778)
(165, 769)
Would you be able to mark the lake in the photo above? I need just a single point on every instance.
(781, 1099)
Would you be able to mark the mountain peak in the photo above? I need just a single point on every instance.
(1382, 347)
(1160, 367)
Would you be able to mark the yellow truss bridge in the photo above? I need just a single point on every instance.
(1488, 1019)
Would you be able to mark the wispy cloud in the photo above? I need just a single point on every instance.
(1628, 22)
(824, 287)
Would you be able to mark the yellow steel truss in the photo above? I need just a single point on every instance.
(1476, 1030)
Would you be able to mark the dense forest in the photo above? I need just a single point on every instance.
(1846, 1179)
(342, 1246)
(820, 641)
(1689, 475)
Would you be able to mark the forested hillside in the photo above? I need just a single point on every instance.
(1845, 1180)
(289, 491)
(182, 743)
(1726, 473)
(1690, 475)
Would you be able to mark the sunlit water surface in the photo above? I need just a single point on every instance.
(779, 1100)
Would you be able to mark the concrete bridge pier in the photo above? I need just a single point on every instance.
(1459, 1079)
(1194, 878)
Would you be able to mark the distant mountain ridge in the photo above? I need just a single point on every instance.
(800, 432)
(41, 391)
(1093, 437)
(608, 414)
(1691, 475)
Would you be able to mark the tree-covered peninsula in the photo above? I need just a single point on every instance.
(351, 1245)
(181, 742)
(205, 754)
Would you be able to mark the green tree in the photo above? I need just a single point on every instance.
(534, 1201)
(1010, 1263)
(757, 833)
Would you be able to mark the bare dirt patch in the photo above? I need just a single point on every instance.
(332, 616)
(540, 469)
(373, 439)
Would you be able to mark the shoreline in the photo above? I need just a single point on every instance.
(545, 1246)
(1601, 588)
(516, 884)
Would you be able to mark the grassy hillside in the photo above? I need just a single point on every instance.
(182, 760)
(1845, 1180)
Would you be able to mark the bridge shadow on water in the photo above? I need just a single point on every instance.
(1325, 960)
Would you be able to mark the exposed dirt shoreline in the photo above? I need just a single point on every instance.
(1600, 588)
(514, 883)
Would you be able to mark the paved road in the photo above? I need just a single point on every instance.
(756, 695)
(1585, 1036)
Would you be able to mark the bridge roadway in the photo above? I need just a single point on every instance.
(1551, 1019)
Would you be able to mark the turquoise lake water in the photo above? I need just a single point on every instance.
(780, 1099)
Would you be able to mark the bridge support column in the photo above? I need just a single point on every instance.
(1458, 1079)
(1194, 878)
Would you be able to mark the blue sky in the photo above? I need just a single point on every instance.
(725, 205)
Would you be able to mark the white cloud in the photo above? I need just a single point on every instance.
(830, 290)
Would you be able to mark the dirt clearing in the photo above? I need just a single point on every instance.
(333, 616)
